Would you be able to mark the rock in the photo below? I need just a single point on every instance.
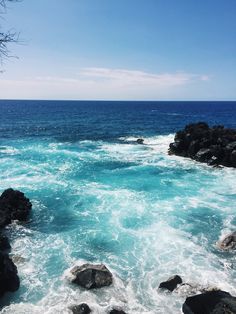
(9, 280)
(190, 289)
(233, 158)
(18, 259)
(171, 283)
(213, 302)
(215, 146)
(228, 242)
(82, 308)
(92, 276)
(140, 140)
(13, 206)
(117, 311)
(4, 243)
(203, 155)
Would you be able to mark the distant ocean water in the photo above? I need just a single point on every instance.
(98, 196)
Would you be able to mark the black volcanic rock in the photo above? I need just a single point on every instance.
(140, 140)
(171, 283)
(212, 302)
(117, 311)
(4, 243)
(13, 206)
(91, 276)
(82, 308)
(228, 242)
(214, 146)
(9, 280)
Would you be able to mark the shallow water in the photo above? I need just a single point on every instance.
(99, 197)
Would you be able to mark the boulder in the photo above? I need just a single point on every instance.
(91, 276)
(13, 206)
(228, 242)
(215, 146)
(171, 284)
(82, 308)
(213, 302)
(9, 280)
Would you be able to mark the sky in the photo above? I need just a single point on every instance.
(121, 50)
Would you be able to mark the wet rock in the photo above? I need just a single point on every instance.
(203, 155)
(140, 140)
(190, 289)
(13, 206)
(171, 283)
(228, 242)
(214, 146)
(82, 308)
(91, 276)
(213, 302)
(18, 259)
(4, 243)
(117, 311)
(233, 158)
(9, 280)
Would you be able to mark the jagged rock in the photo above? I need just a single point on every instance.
(203, 155)
(92, 276)
(228, 242)
(13, 206)
(82, 308)
(9, 280)
(171, 283)
(140, 140)
(213, 302)
(215, 146)
(117, 311)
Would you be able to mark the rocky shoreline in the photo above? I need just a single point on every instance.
(212, 145)
(199, 300)
(215, 146)
(13, 206)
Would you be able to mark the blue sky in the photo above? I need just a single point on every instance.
(121, 49)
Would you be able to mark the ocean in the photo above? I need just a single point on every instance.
(100, 197)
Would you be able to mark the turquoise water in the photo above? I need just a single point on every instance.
(101, 197)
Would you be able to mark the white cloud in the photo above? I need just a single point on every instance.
(100, 83)
(121, 76)
(205, 78)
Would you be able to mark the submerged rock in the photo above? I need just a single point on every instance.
(228, 242)
(82, 308)
(214, 146)
(9, 280)
(190, 289)
(171, 283)
(140, 140)
(213, 302)
(91, 276)
(13, 206)
(117, 311)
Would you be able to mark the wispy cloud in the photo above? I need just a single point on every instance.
(132, 77)
(105, 83)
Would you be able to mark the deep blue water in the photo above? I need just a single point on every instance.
(99, 197)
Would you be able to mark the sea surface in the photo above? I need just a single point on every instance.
(100, 197)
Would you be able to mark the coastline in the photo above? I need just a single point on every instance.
(142, 208)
